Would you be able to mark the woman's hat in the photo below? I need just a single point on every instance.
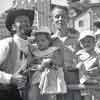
(86, 33)
(13, 13)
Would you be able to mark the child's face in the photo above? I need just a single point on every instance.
(42, 41)
(59, 16)
(88, 43)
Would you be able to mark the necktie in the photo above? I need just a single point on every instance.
(22, 55)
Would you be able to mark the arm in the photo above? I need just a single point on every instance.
(4, 50)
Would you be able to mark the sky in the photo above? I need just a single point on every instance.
(5, 4)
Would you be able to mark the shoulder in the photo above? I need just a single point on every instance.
(6, 42)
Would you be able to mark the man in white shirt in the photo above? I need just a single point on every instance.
(13, 52)
(60, 20)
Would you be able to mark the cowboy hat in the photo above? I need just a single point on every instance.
(13, 13)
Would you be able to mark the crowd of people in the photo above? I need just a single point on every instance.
(42, 70)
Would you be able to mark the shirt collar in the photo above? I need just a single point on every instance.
(21, 43)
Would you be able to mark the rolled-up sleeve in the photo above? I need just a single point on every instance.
(4, 50)
(5, 77)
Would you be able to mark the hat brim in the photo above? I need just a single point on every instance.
(40, 33)
(12, 14)
(86, 36)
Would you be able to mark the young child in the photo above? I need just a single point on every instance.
(88, 62)
(51, 61)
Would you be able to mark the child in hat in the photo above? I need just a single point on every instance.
(88, 62)
(50, 63)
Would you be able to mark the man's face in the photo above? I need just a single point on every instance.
(59, 16)
(22, 25)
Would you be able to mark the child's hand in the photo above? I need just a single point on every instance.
(46, 63)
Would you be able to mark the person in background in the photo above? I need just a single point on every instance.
(14, 52)
(60, 20)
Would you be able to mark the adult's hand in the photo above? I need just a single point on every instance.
(18, 80)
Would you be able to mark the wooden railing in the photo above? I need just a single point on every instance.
(90, 92)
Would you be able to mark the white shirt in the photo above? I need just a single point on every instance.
(22, 45)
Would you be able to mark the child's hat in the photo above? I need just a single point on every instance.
(43, 30)
(86, 33)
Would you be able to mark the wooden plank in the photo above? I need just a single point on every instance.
(83, 87)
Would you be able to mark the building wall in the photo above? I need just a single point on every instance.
(42, 10)
(43, 7)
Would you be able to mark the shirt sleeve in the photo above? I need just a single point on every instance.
(4, 50)
(5, 77)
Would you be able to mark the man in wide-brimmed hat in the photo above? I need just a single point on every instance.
(14, 53)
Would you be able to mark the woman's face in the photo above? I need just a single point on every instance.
(22, 25)
(59, 16)
(42, 41)
(88, 43)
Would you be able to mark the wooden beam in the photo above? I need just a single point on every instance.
(82, 87)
